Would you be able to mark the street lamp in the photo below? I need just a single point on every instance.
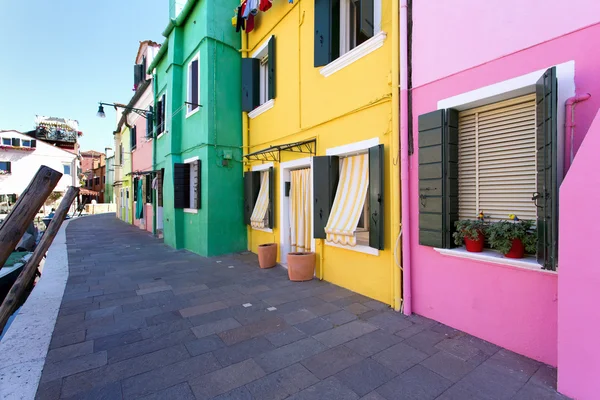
(100, 112)
(144, 113)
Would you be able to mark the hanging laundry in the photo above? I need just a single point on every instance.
(253, 5)
(291, 1)
(246, 9)
(265, 5)
(240, 23)
(250, 23)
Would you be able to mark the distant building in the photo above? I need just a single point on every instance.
(110, 180)
(93, 166)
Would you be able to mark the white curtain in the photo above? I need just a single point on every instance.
(257, 219)
(300, 211)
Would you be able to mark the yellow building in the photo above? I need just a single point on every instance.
(320, 91)
(123, 183)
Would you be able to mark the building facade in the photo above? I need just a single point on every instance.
(320, 95)
(198, 156)
(110, 180)
(495, 132)
(123, 180)
(93, 167)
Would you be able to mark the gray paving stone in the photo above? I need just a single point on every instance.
(155, 331)
(226, 379)
(124, 352)
(323, 309)
(286, 336)
(102, 312)
(365, 376)
(249, 331)
(71, 351)
(340, 317)
(73, 365)
(514, 364)
(390, 321)
(451, 367)
(119, 339)
(410, 331)
(67, 339)
(204, 345)
(289, 354)
(545, 376)
(283, 383)
(111, 391)
(486, 347)
(243, 351)
(418, 383)
(113, 328)
(181, 391)
(202, 309)
(376, 305)
(49, 390)
(331, 361)
(299, 316)
(533, 391)
(215, 327)
(425, 341)
(459, 349)
(240, 393)
(372, 396)
(400, 357)
(330, 389)
(372, 343)
(344, 333)
(356, 308)
(485, 382)
(315, 326)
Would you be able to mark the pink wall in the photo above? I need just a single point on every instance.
(579, 283)
(141, 160)
(486, 30)
(511, 307)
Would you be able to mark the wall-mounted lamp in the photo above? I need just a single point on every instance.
(144, 113)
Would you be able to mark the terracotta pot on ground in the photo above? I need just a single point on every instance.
(474, 246)
(267, 255)
(517, 250)
(301, 266)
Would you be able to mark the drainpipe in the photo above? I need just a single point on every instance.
(394, 156)
(245, 133)
(404, 159)
(570, 128)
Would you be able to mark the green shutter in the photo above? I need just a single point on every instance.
(149, 188)
(251, 189)
(271, 209)
(181, 185)
(137, 74)
(33, 143)
(367, 16)
(326, 173)
(16, 142)
(135, 191)
(438, 177)
(546, 196)
(271, 65)
(376, 197)
(149, 122)
(250, 84)
(159, 184)
(322, 32)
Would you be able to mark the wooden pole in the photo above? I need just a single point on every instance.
(25, 210)
(27, 275)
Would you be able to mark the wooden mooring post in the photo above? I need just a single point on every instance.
(27, 275)
(25, 210)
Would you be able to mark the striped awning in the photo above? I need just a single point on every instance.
(257, 220)
(349, 200)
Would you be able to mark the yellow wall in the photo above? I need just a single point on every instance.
(352, 105)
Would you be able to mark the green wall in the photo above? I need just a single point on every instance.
(210, 133)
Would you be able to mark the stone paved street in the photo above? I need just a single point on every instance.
(141, 320)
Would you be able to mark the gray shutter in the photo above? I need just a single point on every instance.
(546, 196)
(197, 169)
(271, 66)
(158, 116)
(137, 74)
(135, 189)
(322, 32)
(326, 174)
(33, 143)
(271, 209)
(438, 177)
(149, 122)
(181, 185)
(250, 84)
(195, 88)
(376, 199)
(251, 189)
(367, 17)
(159, 184)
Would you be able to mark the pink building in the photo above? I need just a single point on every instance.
(141, 137)
(500, 108)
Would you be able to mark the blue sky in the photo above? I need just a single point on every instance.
(60, 57)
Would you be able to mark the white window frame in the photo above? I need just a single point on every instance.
(345, 151)
(261, 168)
(189, 110)
(262, 53)
(263, 77)
(192, 183)
(348, 56)
(505, 90)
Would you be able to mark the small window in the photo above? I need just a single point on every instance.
(6, 142)
(193, 90)
(362, 229)
(258, 77)
(26, 143)
(187, 178)
(133, 137)
(161, 106)
(97, 180)
(16, 142)
(66, 169)
(104, 179)
(5, 167)
(264, 79)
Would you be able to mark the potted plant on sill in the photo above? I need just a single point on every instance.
(267, 255)
(513, 238)
(472, 233)
(301, 266)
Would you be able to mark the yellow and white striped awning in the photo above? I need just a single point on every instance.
(257, 220)
(349, 200)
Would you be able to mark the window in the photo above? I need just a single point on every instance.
(5, 167)
(259, 199)
(26, 143)
(16, 142)
(186, 184)
(121, 154)
(362, 228)
(148, 187)
(150, 122)
(193, 89)
(133, 137)
(160, 114)
(258, 79)
(497, 160)
(104, 179)
(66, 169)
(6, 142)
(97, 180)
(342, 25)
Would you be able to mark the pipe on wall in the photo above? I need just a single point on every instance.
(570, 128)
(404, 158)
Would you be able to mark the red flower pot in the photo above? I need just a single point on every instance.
(474, 246)
(517, 250)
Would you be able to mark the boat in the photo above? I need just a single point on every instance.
(9, 274)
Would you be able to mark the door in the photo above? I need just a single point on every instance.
(297, 212)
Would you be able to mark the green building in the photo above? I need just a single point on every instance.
(198, 130)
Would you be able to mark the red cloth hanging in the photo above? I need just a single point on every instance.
(264, 5)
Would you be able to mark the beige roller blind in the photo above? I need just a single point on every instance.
(496, 161)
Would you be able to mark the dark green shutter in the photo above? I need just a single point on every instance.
(197, 167)
(150, 122)
(271, 66)
(250, 84)
(159, 189)
(33, 143)
(376, 192)
(16, 142)
(158, 116)
(181, 185)
(132, 137)
(367, 17)
(195, 100)
(322, 32)
(546, 196)
(135, 189)
(326, 174)
(148, 188)
(138, 74)
(251, 189)
(163, 107)
(438, 177)
(271, 209)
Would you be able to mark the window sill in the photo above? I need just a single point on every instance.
(190, 113)
(160, 135)
(261, 109)
(355, 54)
(493, 257)
(268, 230)
(358, 248)
(190, 210)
